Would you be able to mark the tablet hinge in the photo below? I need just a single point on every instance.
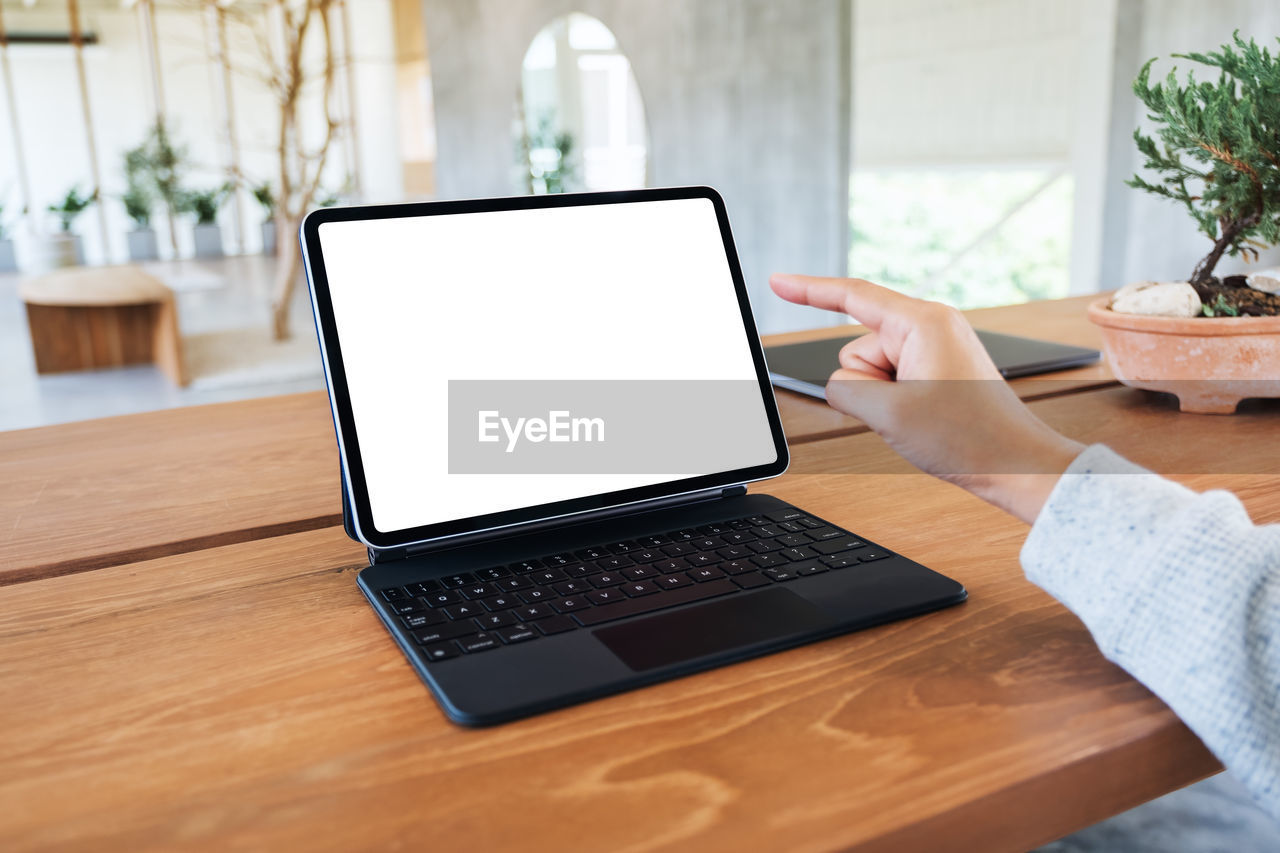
(386, 555)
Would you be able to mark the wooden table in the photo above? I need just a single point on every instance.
(89, 495)
(90, 317)
(243, 695)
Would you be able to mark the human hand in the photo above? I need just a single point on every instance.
(923, 381)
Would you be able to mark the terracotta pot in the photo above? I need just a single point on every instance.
(1209, 363)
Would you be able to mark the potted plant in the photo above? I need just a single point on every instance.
(139, 199)
(63, 248)
(155, 167)
(266, 198)
(205, 205)
(1211, 341)
(8, 260)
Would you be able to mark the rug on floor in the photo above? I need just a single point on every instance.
(241, 357)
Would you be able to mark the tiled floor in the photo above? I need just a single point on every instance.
(1215, 815)
(238, 298)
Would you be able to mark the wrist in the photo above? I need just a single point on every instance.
(1028, 478)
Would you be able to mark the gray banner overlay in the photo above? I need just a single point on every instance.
(683, 427)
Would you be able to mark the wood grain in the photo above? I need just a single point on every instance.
(246, 697)
(1061, 320)
(100, 493)
(87, 495)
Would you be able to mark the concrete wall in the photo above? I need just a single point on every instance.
(748, 96)
(1153, 238)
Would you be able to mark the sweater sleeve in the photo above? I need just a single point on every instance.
(1180, 589)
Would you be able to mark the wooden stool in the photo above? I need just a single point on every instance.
(89, 317)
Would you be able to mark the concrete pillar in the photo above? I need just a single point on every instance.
(748, 96)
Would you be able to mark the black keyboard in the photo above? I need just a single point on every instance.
(487, 609)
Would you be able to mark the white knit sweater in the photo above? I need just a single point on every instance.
(1180, 589)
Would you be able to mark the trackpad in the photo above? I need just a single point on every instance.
(710, 628)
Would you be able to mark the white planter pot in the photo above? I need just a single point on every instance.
(8, 260)
(208, 240)
(142, 244)
(269, 237)
(55, 251)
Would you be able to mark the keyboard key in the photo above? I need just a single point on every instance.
(502, 601)
(571, 603)
(605, 596)
(790, 527)
(707, 543)
(757, 520)
(423, 620)
(462, 611)
(646, 555)
(709, 573)
(615, 563)
(496, 573)
(737, 567)
(581, 570)
(735, 552)
(394, 594)
(638, 588)
(517, 634)
(533, 596)
(555, 625)
(546, 576)
(422, 588)
(738, 524)
(766, 560)
(406, 606)
(559, 560)
(523, 567)
(764, 546)
(738, 537)
(868, 556)
(768, 531)
(439, 599)
(572, 587)
(684, 535)
(456, 581)
(653, 541)
(751, 581)
(512, 584)
(479, 643)
(495, 620)
(697, 560)
(809, 523)
(678, 550)
(440, 651)
(650, 603)
(812, 567)
(840, 561)
(594, 553)
(638, 573)
(833, 546)
(624, 546)
(447, 631)
(714, 529)
(822, 533)
(790, 514)
(793, 540)
(481, 590)
(782, 573)
(672, 581)
(530, 612)
(666, 567)
(795, 554)
(607, 579)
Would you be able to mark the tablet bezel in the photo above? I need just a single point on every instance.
(344, 421)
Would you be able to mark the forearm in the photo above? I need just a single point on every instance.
(1180, 589)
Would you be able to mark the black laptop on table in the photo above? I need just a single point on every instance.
(548, 410)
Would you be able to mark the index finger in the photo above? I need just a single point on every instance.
(866, 302)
